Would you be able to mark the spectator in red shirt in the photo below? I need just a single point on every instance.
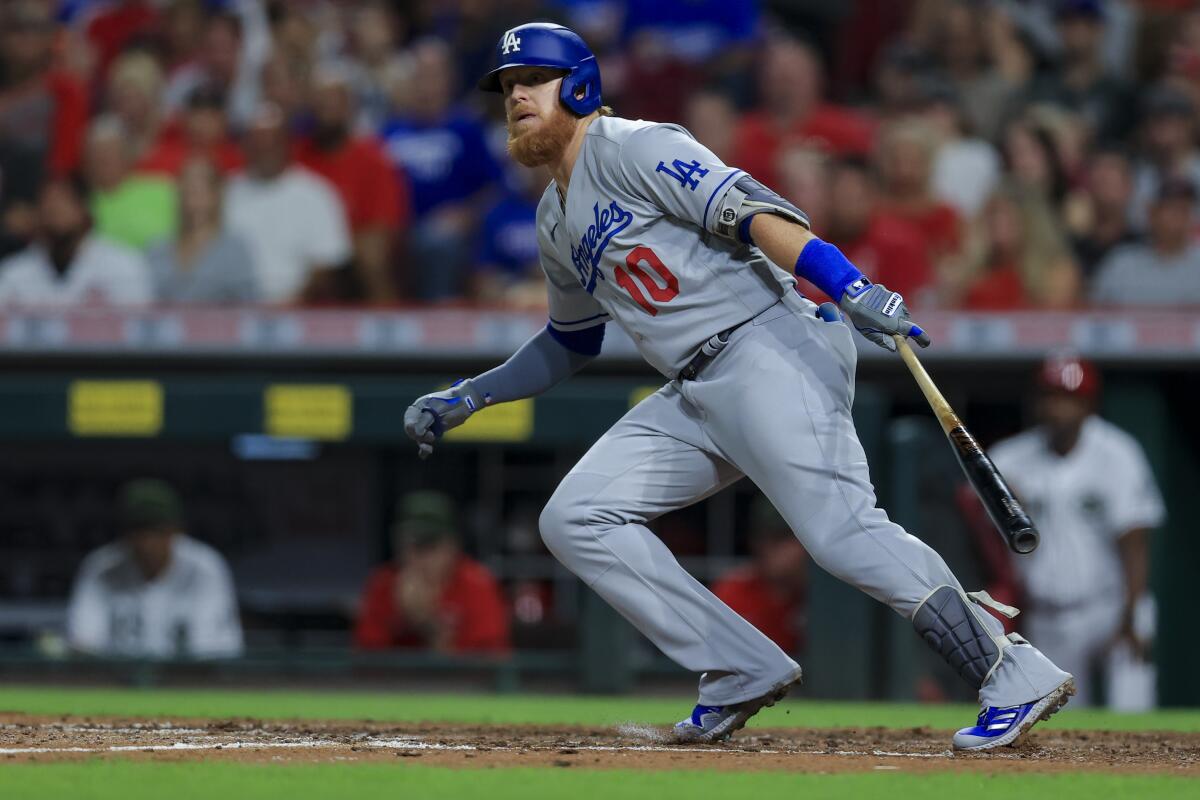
(134, 96)
(43, 112)
(839, 198)
(887, 250)
(771, 591)
(996, 284)
(369, 187)
(791, 108)
(200, 132)
(433, 596)
(1017, 256)
(906, 152)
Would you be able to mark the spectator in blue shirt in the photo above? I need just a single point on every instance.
(695, 31)
(675, 46)
(507, 271)
(450, 170)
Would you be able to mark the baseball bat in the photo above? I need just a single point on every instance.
(1006, 513)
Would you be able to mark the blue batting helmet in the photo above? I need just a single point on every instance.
(544, 44)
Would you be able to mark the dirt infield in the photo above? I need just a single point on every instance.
(24, 738)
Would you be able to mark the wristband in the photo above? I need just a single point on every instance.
(824, 266)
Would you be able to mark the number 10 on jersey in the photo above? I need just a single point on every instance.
(633, 269)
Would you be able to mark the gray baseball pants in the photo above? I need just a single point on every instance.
(775, 406)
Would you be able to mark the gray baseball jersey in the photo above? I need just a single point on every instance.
(637, 243)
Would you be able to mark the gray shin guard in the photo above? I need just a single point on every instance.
(970, 640)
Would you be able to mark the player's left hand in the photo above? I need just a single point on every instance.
(879, 313)
(429, 417)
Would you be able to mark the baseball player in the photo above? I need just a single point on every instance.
(643, 226)
(1087, 481)
(155, 592)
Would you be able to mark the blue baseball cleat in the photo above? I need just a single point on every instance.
(997, 727)
(718, 723)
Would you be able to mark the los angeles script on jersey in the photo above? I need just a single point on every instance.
(607, 223)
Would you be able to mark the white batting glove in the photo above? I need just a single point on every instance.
(430, 416)
(879, 313)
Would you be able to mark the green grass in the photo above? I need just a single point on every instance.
(124, 780)
(515, 709)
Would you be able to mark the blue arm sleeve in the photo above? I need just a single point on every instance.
(540, 363)
(824, 266)
(586, 342)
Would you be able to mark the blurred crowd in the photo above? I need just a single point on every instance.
(979, 154)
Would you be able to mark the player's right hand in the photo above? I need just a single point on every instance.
(429, 417)
(878, 313)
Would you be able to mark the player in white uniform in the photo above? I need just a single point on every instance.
(1088, 485)
(644, 226)
(155, 593)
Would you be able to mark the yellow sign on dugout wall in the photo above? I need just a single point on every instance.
(308, 411)
(507, 422)
(115, 408)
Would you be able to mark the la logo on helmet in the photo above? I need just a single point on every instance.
(512, 44)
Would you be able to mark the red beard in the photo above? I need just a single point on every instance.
(545, 143)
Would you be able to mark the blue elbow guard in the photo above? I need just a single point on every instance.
(824, 266)
(586, 342)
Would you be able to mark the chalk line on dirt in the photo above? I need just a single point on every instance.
(405, 743)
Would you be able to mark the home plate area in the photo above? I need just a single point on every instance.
(634, 746)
